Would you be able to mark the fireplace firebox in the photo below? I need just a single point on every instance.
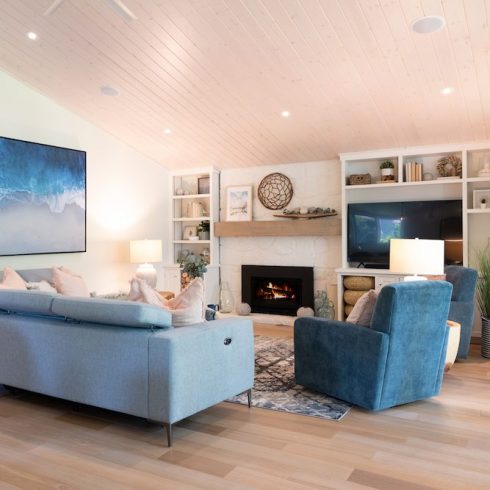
(278, 290)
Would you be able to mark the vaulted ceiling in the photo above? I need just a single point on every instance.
(218, 74)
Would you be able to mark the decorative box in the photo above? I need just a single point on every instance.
(359, 179)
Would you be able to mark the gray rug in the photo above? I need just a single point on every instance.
(276, 389)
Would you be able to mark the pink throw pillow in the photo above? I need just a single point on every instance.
(363, 310)
(69, 284)
(187, 308)
(142, 292)
(12, 280)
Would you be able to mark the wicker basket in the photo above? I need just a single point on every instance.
(347, 310)
(359, 283)
(351, 297)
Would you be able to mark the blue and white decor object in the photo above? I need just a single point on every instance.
(42, 198)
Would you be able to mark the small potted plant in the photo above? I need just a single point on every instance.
(387, 171)
(483, 203)
(203, 230)
(191, 266)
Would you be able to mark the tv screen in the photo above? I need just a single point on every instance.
(42, 198)
(372, 225)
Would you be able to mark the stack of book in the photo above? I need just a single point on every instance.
(413, 172)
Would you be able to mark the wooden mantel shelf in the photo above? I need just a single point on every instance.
(285, 227)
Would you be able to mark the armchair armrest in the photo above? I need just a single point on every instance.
(342, 359)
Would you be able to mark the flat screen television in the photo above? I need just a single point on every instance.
(372, 225)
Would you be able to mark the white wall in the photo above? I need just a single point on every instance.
(314, 184)
(126, 192)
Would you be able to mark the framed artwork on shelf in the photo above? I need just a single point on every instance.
(189, 233)
(239, 203)
(203, 185)
(481, 198)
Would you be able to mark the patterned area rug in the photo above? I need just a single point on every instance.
(276, 389)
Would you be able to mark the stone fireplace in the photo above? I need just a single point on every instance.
(277, 290)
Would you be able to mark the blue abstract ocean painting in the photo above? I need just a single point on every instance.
(42, 198)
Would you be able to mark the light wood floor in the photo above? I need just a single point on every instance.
(439, 443)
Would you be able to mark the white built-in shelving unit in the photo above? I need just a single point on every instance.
(189, 207)
(476, 221)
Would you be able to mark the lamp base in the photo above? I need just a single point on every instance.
(414, 278)
(148, 273)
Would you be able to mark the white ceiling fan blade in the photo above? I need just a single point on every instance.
(53, 8)
(121, 10)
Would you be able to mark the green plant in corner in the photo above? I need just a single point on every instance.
(483, 284)
(386, 164)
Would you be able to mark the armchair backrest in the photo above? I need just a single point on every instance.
(414, 315)
(463, 280)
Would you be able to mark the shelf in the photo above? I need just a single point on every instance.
(199, 218)
(406, 184)
(190, 196)
(478, 179)
(478, 211)
(192, 241)
(311, 227)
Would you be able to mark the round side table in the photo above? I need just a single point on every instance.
(452, 343)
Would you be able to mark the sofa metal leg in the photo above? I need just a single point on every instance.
(249, 397)
(168, 428)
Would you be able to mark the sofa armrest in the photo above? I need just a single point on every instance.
(341, 359)
(192, 368)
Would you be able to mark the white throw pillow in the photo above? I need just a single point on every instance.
(41, 286)
(363, 310)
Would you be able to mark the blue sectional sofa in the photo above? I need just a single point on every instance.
(120, 355)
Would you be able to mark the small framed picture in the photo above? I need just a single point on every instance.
(189, 232)
(481, 199)
(239, 203)
(203, 185)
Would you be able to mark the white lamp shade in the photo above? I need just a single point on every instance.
(144, 251)
(414, 256)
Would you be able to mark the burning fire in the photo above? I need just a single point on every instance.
(276, 291)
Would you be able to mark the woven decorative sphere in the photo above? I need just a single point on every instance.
(243, 309)
(275, 191)
(305, 311)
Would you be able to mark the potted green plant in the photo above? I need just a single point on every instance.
(483, 298)
(191, 266)
(203, 230)
(387, 171)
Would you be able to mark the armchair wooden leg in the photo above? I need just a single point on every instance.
(249, 397)
(168, 428)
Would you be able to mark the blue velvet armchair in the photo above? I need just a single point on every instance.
(462, 307)
(398, 360)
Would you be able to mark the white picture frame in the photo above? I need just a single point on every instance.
(189, 231)
(239, 203)
(480, 194)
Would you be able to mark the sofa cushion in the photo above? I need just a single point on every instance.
(35, 302)
(111, 312)
(37, 275)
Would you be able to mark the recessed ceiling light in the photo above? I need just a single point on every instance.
(32, 35)
(167, 131)
(285, 113)
(428, 24)
(108, 90)
(447, 91)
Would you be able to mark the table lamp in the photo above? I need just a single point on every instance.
(143, 252)
(415, 256)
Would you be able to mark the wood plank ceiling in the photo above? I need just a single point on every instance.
(218, 73)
